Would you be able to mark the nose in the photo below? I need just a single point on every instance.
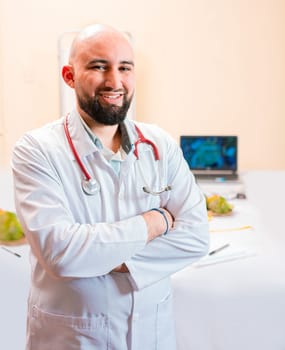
(113, 79)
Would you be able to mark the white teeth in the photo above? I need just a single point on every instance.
(112, 96)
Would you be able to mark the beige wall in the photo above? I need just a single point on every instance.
(203, 67)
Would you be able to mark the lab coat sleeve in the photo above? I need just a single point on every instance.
(188, 240)
(63, 247)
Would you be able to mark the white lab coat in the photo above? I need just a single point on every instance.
(75, 301)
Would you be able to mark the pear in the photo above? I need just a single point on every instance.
(218, 204)
(10, 227)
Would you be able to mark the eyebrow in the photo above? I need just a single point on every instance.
(99, 60)
(131, 63)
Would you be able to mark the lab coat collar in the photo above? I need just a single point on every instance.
(127, 143)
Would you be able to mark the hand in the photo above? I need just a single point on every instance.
(121, 268)
(156, 222)
(169, 217)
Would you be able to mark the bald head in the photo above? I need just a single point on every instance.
(93, 32)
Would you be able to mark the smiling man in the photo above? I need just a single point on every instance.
(102, 259)
(103, 79)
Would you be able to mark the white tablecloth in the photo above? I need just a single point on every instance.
(237, 304)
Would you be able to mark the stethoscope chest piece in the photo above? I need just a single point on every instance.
(90, 186)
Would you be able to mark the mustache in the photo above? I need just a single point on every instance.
(109, 89)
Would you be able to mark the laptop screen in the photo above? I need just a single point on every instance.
(206, 153)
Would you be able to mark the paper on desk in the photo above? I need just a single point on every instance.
(228, 254)
(225, 230)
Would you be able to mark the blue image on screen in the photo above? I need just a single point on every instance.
(211, 152)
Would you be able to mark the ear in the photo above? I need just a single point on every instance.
(68, 75)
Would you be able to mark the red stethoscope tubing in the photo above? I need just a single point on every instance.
(67, 134)
(141, 139)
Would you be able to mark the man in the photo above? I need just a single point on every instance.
(102, 259)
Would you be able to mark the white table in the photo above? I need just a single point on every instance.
(239, 304)
(14, 280)
(14, 286)
(232, 305)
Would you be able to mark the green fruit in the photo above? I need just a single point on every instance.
(10, 228)
(218, 204)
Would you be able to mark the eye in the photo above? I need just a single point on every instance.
(125, 68)
(99, 67)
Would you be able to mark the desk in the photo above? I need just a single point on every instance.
(14, 287)
(14, 280)
(234, 305)
(239, 304)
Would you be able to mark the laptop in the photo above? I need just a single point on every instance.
(211, 157)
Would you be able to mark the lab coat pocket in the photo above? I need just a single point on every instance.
(165, 329)
(53, 331)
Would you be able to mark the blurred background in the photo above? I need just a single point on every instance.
(202, 67)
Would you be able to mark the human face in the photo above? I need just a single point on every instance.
(103, 73)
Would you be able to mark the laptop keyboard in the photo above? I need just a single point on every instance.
(229, 177)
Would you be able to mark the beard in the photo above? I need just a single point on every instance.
(106, 115)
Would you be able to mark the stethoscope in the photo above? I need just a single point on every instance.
(90, 186)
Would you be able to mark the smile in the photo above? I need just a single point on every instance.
(112, 96)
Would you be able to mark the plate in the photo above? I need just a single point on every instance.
(16, 242)
(211, 213)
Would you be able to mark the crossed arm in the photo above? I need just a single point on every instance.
(156, 226)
